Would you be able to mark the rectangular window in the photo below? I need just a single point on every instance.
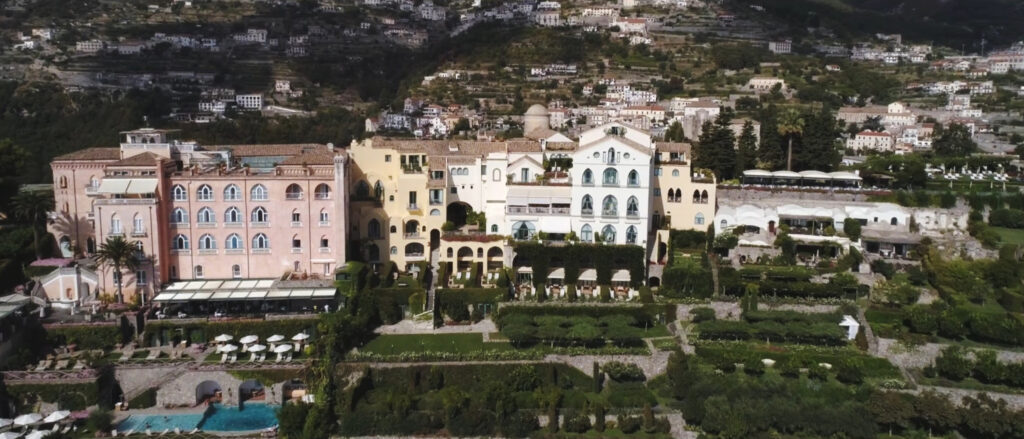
(387, 158)
(140, 278)
(524, 175)
(454, 190)
(657, 192)
(324, 243)
(296, 243)
(412, 199)
(657, 172)
(296, 217)
(324, 217)
(483, 170)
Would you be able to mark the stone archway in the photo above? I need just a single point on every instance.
(251, 390)
(208, 391)
(457, 212)
(654, 282)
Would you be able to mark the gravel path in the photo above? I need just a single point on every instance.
(414, 327)
(924, 355)
(956, 396)
(723, 310)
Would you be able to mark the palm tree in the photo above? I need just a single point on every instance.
(790, 124)
(32, 208)
(118, 253)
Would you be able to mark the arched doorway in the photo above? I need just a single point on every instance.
(251, 390)
(372, 253)
(654, 282)
(65, 246)
(90, 245)
(771, 227)
(435, 239)
(207, 392)
(662, 252)
(457, 213)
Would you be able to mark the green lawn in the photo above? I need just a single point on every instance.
(1010, 236)
(455, 343)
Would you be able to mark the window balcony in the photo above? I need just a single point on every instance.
(436, 202)
(413, 206)
(184, 252)
(296, 223)
(205, 199)
(91, 189)
(321, 196)
(412, 235)
(260, 224)
(261, 251)
(609, 214)
(293, 196)
(234, 251)
(587, 212)
(116, 233)
(206, 225)
(139, 233)
(325, 223)
(233, 224)
(208, 251)
(610, 184)
(325, 249)
(296, 249)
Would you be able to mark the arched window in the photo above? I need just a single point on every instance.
(496, 175)
(363, 189)
(894, 221)
(608, 234)
(296, 242)
(232, 215)
(523, 230)
(435, 212)
(610, 156)
(450, 252)
(293, 192)
(494, 228)
(179, 193)
(394, 229)
(631, 235)
(180, 242)
(197, 271)
(723, 224)
(234, 242)
(633, 179)
(675, 172)
(698, 219)
(236, 271)
(204, 193)
(610, 206)
(378, 190)
(588, 177)
(704, 197)
(611, 177)
(696, 196)
(587, 233)
(373, 229)
(671, 195)
(258, 193)
(63, 182)
(206, 242)
(206, 216)
(322, 192)
(325, 217)
(394, 250)
(179, 216)
(232, 193)
(632, 208)
(260, 241)
(137, 225)
(679, 196)
(259, 215)
(115, 225)
(587, 207)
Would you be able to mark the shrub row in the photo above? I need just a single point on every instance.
(755, 316)
(954, 364)
(961, 322)
(784, 273)
(85, 336)
(825, 334)
(69, 396)
(794, 357)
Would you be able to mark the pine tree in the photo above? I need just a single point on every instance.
(675, 133)
(770, 154)
(746, 148)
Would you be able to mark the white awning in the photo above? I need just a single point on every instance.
(279, 294)
(621, 276)
(142, 186)
(301, 293)
(164, 297)
(114, 186)
(558, 273)
(202, 296)
(221, 295)
(324, 292)
(561, 200)
(757, 173)
(258, 295)
(517, 201)
(588, 274)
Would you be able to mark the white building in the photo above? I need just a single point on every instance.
(762, 83)
(865, 140)
(780, 47)
(89, 46)
(249, 101)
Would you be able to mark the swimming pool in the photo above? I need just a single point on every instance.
(253, 416)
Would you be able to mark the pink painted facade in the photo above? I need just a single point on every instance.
(231, 212)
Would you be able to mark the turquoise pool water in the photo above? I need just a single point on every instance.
(252, 416)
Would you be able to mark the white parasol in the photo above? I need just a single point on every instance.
(283, 348)
(257, 348)
(249, 339)
(57, 416)
(223, 338)
(28, 419)
(275, 338)
(300, 336)
(227, 348)
(36, 434)
(5, 422)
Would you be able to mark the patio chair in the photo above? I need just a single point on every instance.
(253, 356)
(113, 433)
(166, 430)
(234, 358)
(45, 364)
(126, 355)
(79, 365)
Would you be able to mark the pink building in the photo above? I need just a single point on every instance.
(220, 212)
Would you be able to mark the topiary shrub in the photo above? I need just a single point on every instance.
(629, 424)
(702, 314)
(623, 372)
(520, 424)
(576, 423)
(646, 296)
(606, 295)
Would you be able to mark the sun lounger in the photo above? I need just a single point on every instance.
(177, 430)
(126, 355)
(79, 365)
(66, 429)
(56, 428)
(153, 354)
(278, 359)
(263, 357)
(166, 430)
(149, 432)
(44, 365)
(194, 431)
(233, 358)
(62, 364)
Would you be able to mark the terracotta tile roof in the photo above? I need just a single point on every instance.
(440, 147)
(311, 158)
(268, 150)
(523, 146)
(561, 146)
(674, 147)
(541, 133)
(95, 153)
(144, 159)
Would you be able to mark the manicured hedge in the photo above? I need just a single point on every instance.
(577, 257)
(85, 336)
(144, 400)
(473, 295)
(803, 289)
(721, 353)
(70, 396)
(576, 325)
(201, 332)
(963, 322)
(784, 317)
(784, 273)
(826, 334)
